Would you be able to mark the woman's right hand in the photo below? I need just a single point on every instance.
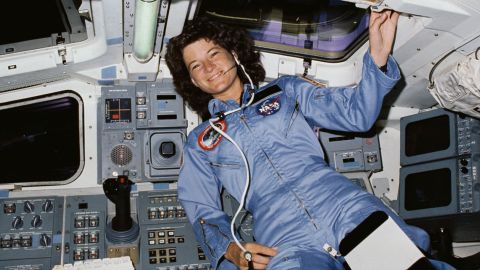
(261, 255)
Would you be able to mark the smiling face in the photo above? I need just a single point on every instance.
(213, 70)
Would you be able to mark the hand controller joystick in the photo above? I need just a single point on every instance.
(118, 190)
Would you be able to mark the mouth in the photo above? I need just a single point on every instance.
(217, 75)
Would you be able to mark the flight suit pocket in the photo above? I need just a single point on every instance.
(286, 261)
(219, 166)
(228, 169)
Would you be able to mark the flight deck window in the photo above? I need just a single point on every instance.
(327, 30)
(29, 25)
(41, 140)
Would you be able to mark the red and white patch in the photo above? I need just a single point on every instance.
(210, 138)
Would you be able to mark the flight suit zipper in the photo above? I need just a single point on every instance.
(292, 118)
(312, 220)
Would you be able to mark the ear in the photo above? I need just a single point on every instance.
(194, 82)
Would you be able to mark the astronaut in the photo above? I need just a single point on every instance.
(299, 204)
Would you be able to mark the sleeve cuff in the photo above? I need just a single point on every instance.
(387, 79)
(383, 68)
(215, 238)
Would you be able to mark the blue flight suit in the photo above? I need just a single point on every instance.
(298, 202)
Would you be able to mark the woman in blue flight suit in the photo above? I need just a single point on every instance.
(298, 202)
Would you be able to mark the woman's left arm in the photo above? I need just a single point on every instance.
(353, 108)
(344, 108)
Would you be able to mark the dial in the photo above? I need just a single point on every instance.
(45, 240)
(36, 221)
(28, 207)
(17, 222)
(47, 206)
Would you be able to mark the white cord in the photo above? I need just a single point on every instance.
(245, 189)
(212, 121)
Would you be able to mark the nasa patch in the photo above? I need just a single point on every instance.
(209, 138)
(269, 106)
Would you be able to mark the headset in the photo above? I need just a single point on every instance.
(220, 116)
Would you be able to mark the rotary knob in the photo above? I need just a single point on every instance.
(47, 206)
(28, 207)
(17, 222)
(45, 240)
(36, 221)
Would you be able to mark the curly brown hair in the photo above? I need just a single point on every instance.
(228, 37)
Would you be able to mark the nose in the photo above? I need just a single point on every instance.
(209, 65)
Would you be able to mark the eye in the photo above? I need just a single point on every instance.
(214, 53)
(195, 66)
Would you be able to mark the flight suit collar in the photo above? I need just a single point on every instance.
(216, 105)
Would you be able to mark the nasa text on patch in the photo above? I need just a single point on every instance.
(269, 106)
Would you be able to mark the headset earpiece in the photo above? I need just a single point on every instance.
(235, 57)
